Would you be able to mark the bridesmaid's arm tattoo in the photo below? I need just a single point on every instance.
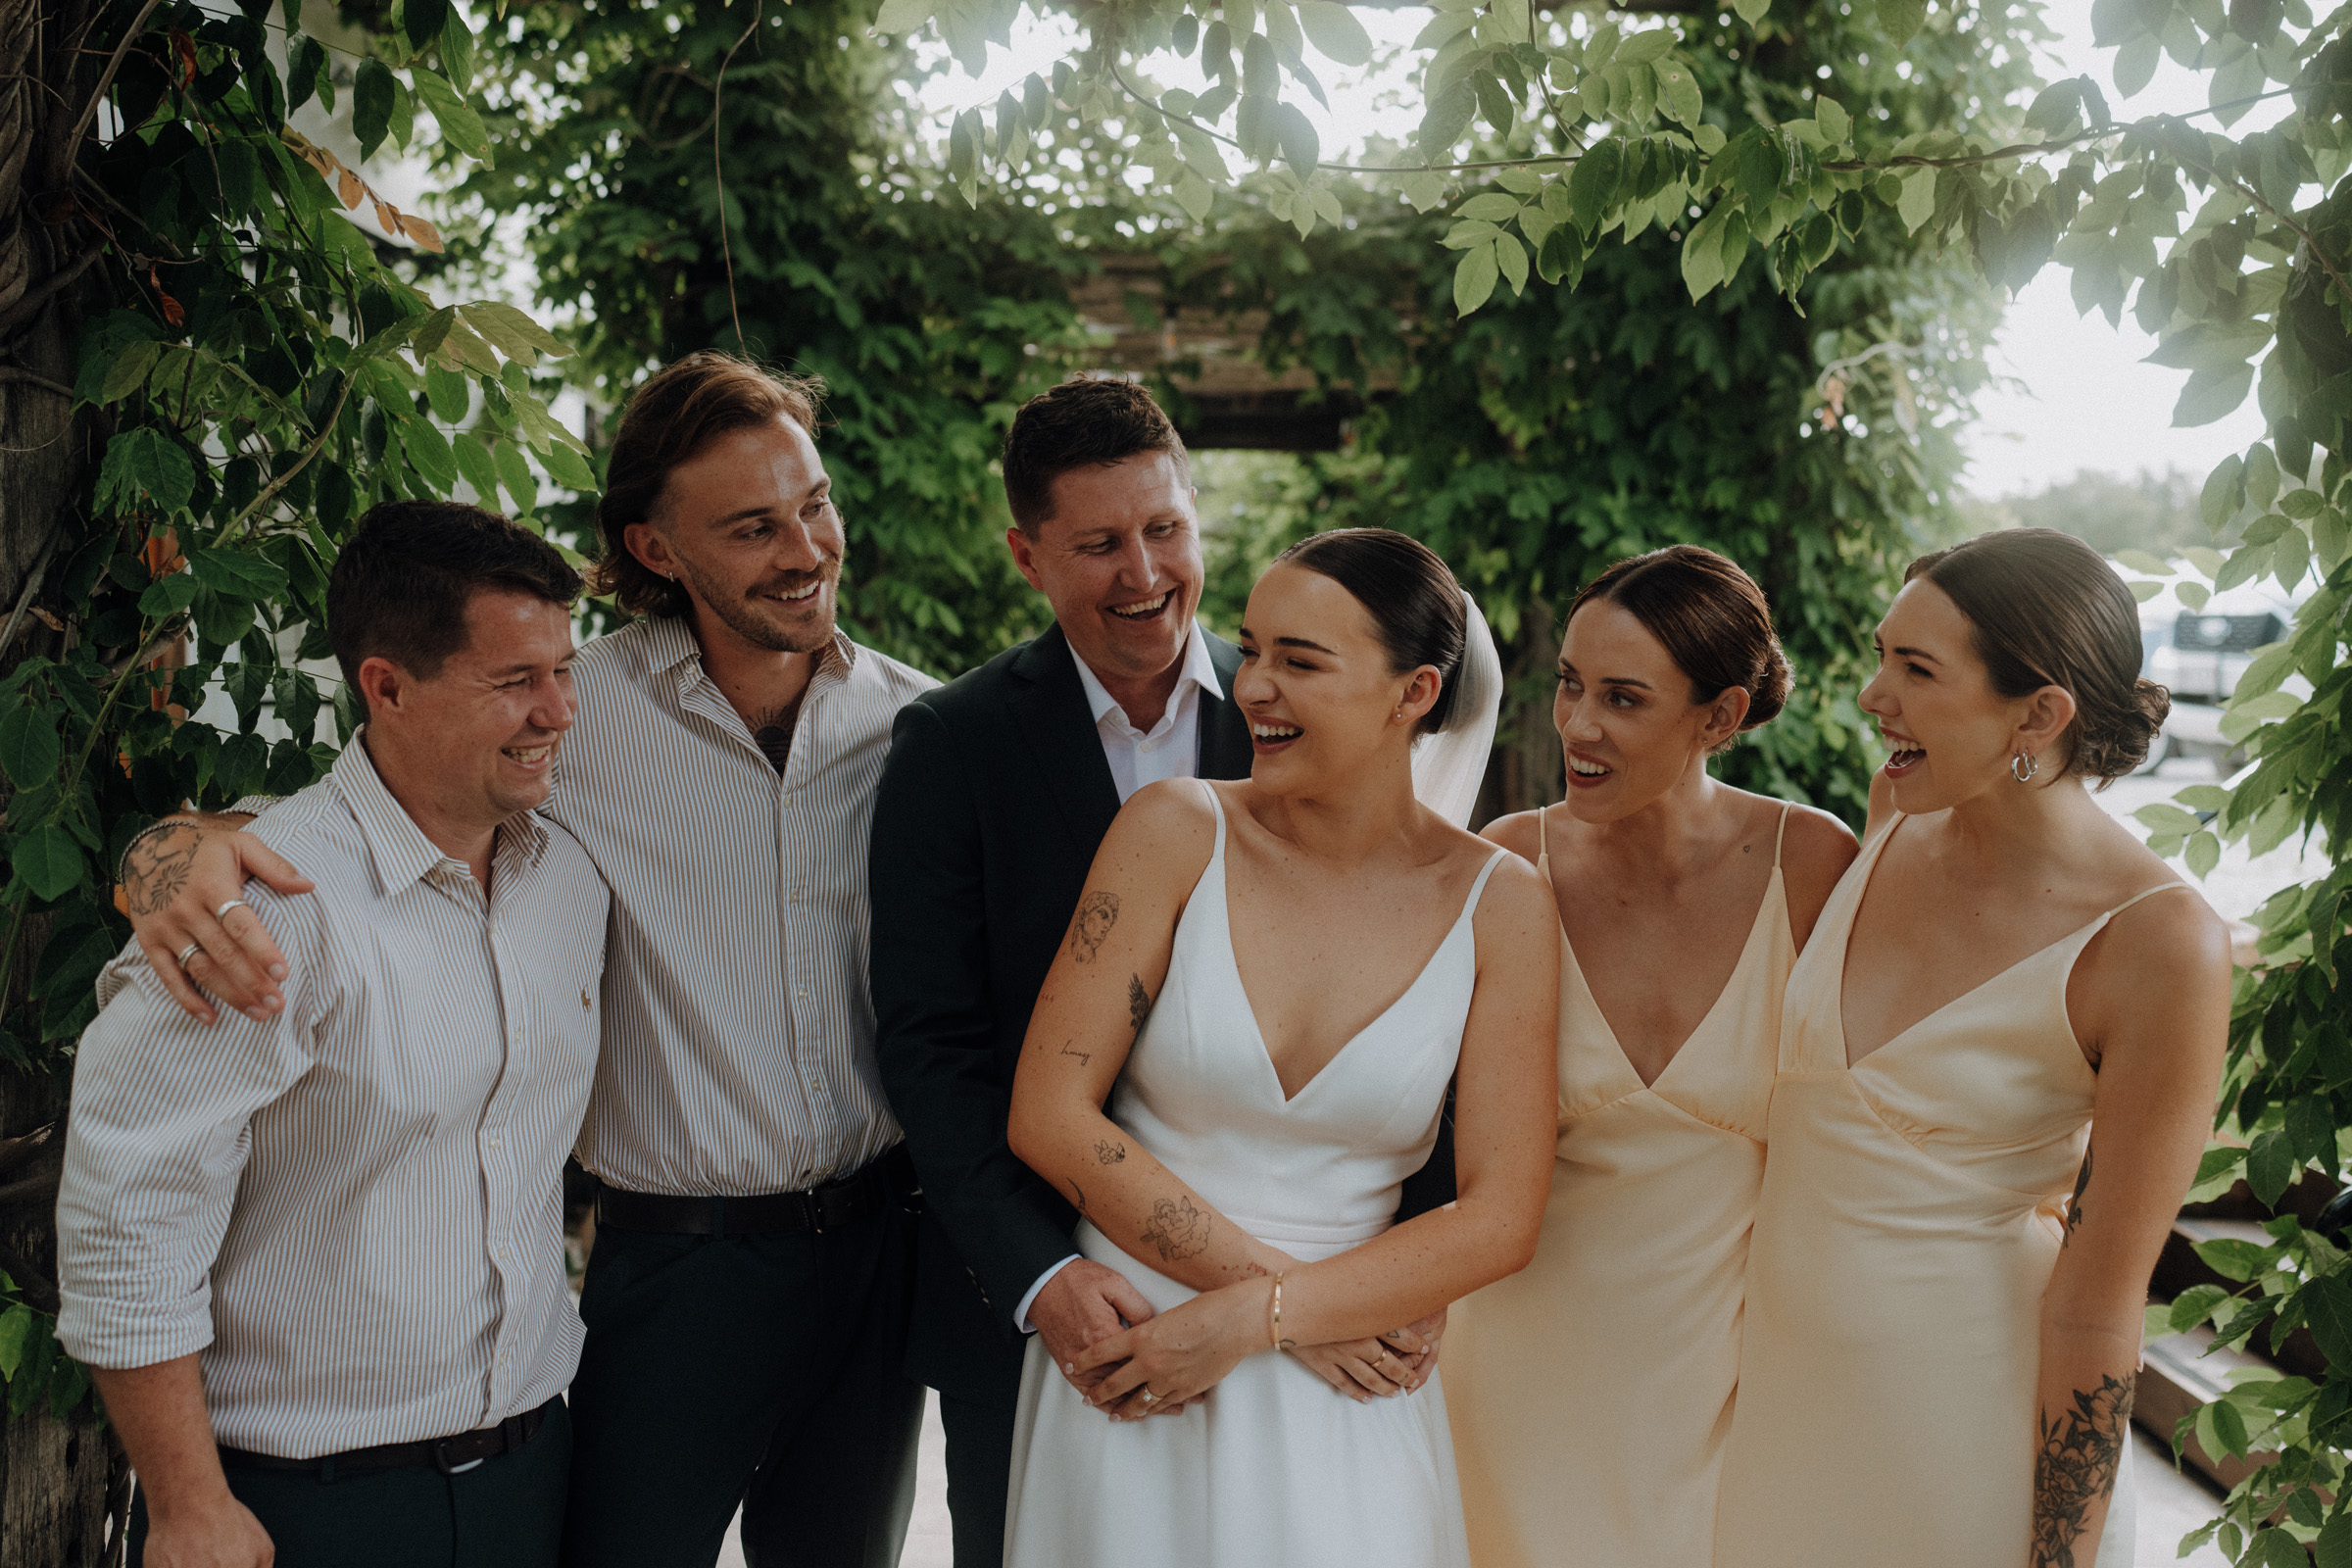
(2076, 1467)
(2074, 1205)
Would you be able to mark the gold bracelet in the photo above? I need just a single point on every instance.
(1274, 1328)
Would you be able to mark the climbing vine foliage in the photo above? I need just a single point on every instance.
(256, 368)
(2226, 232)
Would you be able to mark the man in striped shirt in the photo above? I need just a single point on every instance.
(747, 1299)
(316, 1261)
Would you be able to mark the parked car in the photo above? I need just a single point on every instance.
(2209, 648)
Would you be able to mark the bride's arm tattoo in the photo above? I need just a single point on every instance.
(1138, 1003)
(2076, 1467)
(1178, 1229)
(1097, 913)
(2074, 1205)
(1107, 1153)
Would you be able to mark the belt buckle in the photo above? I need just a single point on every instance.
(441, 1459)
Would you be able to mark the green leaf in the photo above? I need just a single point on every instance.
(2232, 1258)
(371, 94)
(515, 474)
(457, 51)
(1592, 183)
(240, 573)
(50, 861)
(2203, 854)
(2271, 1160)
(1335, 32)
(306, 64)
(1491, 206)
(475, 464)
(2193, 1307)
(504, 325)
(2135, 63)
(1511, 256)
(568, 467)
(2212, 395)
(1474, 278)
(2163, 817)
(1751, 12)
(904, 16)
(14, 1324)
(2223, 495)
(2334, 1549)
(1835, 123)
(129, 371)
(1918, 201)
(166, 596)
(458, 122)
(1302, 148)
(145, 462)
(427, 451)
(28, 746)
(1703, 251)
(422, 20)
(1901, 19)
(1643, 48)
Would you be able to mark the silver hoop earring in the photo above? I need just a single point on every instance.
(2023, 766)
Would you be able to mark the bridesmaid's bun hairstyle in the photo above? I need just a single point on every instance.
(2047, 610)
(1415, 605)
(1713, 619)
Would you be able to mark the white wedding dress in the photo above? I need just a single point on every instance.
(1275, 1469)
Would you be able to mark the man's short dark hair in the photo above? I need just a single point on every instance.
(401, 585)
(1094, 419)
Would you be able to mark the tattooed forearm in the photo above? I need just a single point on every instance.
(2074, 1205)
(1069, 1047)
(2076, 1467)
(1107, 1153)
(1077, 1193)
(1138, 1003)
(1178, 1229)
(158, 866)
(1097, 913)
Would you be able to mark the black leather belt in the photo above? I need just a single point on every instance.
(449, 1455)
(864, 1194)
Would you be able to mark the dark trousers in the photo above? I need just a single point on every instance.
(507, 1512)
(759, 1371)
(979, 1475)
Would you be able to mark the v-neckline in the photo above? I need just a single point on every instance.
(1853, 917)
(1738, 966)
(1233, 959)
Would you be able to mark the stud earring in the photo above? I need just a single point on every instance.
(2023, 766)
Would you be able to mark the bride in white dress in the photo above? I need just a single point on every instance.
(1271, 982)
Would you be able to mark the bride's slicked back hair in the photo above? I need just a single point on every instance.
(1410, 594)
(1712, 618)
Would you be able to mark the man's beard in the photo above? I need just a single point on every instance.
(745, 621)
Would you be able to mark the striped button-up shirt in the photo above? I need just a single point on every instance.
(739, 1038)
(354, 1209)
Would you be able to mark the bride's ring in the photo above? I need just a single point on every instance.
(1149, 1395)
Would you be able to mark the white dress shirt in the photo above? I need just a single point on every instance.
(739, 1034)
(1170, 750)
(354, 1210)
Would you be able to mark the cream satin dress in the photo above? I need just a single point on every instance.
(1910, 1218)
(1592, 1391)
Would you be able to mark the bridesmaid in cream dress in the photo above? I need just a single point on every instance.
(1590, 1394)
(2006, 996)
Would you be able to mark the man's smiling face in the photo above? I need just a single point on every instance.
(747, 525)
(1120, 560)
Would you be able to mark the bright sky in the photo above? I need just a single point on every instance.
(2081, 398)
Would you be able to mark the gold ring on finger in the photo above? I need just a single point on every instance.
(1149, 1395)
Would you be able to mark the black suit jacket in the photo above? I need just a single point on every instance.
(992, 802)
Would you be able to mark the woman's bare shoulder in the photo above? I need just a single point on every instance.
(1172, 824)
(1517, 833)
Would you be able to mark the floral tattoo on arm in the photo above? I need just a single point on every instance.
(2076, 1466)
(1138, 1003)
(1178, 1229)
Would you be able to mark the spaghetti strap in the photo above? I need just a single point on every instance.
(1782, 837)
(1216, 856)
(1480, 886)
(2146, 892)
(1542, 834)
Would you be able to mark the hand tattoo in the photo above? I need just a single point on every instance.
(1138, 1003)
(1178, 1229)
(1098, 913)
(2076, 1467)
(1107, 1153)
(158, 866)
(2074, 1205)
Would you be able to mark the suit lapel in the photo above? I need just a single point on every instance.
(1049, 706)
(1224, 732)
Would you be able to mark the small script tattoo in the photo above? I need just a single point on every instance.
(2076, 1467)
(2074, 1205)
(159, 866)
(1069, 1047)
(1178, 1229)
(1097, 913)
(1107, 1153)
(1138, 1003)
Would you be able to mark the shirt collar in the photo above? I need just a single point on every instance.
(670, 643)
(397, 846)
(1198, 671)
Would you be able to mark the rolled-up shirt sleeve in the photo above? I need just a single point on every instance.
(156, 1144)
